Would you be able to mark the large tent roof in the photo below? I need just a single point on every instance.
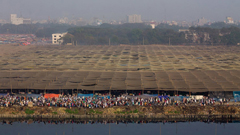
(123, 67)
(169, 81)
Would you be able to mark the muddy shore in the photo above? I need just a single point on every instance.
(157, 112)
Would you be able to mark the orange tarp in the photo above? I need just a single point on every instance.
(51, 95)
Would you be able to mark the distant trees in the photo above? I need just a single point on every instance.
(220, 25)
(68, 38)
(223, 36)
(136, 36)
(133, 34)
(125, 35)
(17, 29)
(40, 30)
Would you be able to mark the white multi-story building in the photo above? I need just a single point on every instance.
(56, 38)
(17, 21)
(153, 24)
(134, 19)
(229, 20)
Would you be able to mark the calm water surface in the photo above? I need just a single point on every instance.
(186, 128)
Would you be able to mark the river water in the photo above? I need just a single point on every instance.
(179, 128)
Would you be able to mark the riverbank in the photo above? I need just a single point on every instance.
(122, 112)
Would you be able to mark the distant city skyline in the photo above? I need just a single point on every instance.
(129, 19)
(159, 10)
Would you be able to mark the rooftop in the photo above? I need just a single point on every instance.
(150, 67)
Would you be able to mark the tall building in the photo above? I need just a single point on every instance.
(15, 20)
(134, 19)
(202, 21)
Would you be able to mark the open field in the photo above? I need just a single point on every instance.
(151, 67)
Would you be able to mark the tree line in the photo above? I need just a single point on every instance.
(40, 30)
(133, 34)
(223, 36)
(146, 35)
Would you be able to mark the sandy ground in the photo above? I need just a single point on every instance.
(11, 49)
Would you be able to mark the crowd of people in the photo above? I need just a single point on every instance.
(101, 101)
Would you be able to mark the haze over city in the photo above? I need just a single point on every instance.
(159, 10)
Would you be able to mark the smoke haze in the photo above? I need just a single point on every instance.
(189, 10)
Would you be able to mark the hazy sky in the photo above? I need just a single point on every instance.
(189, 10)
